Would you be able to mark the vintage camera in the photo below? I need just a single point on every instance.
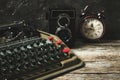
(62, 24)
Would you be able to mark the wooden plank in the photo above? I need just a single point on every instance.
(102, 62)
(99, 59)
(104, 43)
(89, 77)
(99, 67)
(98, 53)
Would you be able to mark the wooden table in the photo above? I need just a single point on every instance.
(102, 62)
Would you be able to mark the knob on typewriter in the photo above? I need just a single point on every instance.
(29, 46)
(59, 42)
(2, 53)
(51, 38)
(22, 48)
(66, 50)
(35, 45)
(16, 50)
(8, 52)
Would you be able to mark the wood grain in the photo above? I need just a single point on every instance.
(89, 77)
(102, 62)
(99, 67)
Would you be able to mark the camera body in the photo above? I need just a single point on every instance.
(62, 23)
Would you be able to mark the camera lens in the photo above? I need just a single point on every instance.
(64, 34)
(63, 20)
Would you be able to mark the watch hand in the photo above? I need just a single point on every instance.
(90, 29)
(92, 25)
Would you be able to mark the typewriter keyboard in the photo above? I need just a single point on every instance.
(30, 58)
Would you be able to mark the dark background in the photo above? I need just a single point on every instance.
(34, 12)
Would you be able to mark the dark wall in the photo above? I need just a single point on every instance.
(113, 17)
(18, 10)
(34, 11)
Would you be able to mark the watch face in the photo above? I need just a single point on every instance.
(92, 28)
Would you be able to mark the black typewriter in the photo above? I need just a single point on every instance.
(16, 31)
(35, 57)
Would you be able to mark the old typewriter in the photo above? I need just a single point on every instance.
(38, 56)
